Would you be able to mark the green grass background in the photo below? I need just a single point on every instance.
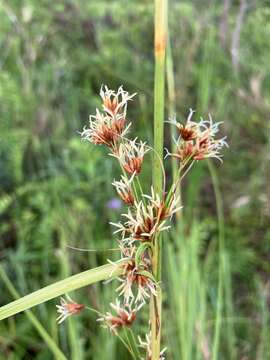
(54, 189)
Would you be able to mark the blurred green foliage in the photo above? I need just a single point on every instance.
(54, 189)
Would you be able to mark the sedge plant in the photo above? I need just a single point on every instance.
(147, 215)
(140, 229)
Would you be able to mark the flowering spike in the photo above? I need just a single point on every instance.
(132, 277)
(147, 215)
(124, 190)
(124, 316)
(146, 221)
(130, 155)
(188, 131)
(197, 140)
(108, 128)
(104, 130)
(66, 309)
(115, 103)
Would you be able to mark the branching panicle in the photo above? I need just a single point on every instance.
(197, 141)
(147, 214)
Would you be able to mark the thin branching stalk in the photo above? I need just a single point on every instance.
(160, 50)
(59, 288)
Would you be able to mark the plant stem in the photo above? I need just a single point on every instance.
(221, 255)
(127, 346)
(159, 90)
(171, 101)
(134, 343)
(59, 288)
(32, 318)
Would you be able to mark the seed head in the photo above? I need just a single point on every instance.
(206, 145)
(124, 316)
(143, 223)
(124, 189)
(184, 150)
(161, 209)
(187, 131)
(133, 278)
(104, 130)
(66, 309)
(115, 103)
(130, 155)
(197, 141)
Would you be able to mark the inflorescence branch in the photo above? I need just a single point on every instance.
(147, 214)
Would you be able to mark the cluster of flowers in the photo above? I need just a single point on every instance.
(147, 215)
(196, 140)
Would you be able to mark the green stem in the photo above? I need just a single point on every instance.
(59, 288)
(131, 343)
(159, 91)
(127, 346)
(171, 101)
(220, 295)
(134, 343)
(140, 186)
(179, 179)
(133, 183)
(32, 318)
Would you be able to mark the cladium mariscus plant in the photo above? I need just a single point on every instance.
(147, 215)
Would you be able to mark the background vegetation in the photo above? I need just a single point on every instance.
(55, 191)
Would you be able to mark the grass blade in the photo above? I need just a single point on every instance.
(32, 318)
(59, 288)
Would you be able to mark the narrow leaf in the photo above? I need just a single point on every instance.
(33, 319)
(61, 287)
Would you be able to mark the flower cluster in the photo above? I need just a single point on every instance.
(124, 189)
(109, 127)
(68, 308)
(130, 155)
(135, 274)
(124, 316)
(146, 219)
(147, 215)
(196, 140)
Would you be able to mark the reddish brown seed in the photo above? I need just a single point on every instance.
(74, 308)
(133, 165)
(187, 134)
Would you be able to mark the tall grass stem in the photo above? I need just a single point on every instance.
(159, 92)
